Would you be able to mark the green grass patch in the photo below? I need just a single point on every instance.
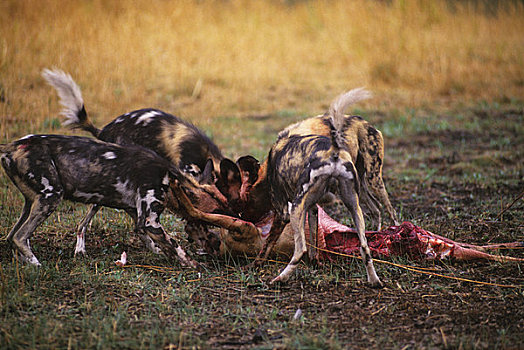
(450, 173)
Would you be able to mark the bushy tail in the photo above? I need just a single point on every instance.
(337, 108)
(71, 100)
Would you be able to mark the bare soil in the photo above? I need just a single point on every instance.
(453, 182)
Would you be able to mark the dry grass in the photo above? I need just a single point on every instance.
(449, 80)
(253, 56)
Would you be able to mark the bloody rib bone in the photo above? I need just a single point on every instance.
(404, 239)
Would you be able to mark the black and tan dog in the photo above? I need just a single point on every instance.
(365, 144)
(49, 168)
(297, 174)
(178, 141)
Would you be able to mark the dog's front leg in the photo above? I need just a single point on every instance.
(149, 209)
(168, 246)
(269, 243)
(148, 242)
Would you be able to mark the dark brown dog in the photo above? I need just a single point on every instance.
(178, 141)
(49, 168)
(297, 174)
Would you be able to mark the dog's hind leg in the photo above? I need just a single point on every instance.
(298, 222)
(350, 199)
(375, 183)
(42, 195)
(40, 208)
(378, 189)
(80, 247)
(299, 208)
(373, 158)
(369, 203)
(23, 217)
(381, 193)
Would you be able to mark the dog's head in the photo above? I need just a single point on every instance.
(254, 202)
(203, 191)
(228, 180)
(225, 175)
(249, 168)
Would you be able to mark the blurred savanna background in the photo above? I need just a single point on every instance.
(448, 84)
(203, 59)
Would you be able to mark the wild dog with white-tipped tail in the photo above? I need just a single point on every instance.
(298, 172)
(174, 139)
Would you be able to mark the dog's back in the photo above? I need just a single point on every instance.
(178, 141)
(360, 135)
(86, 170)
(175, 139)
(365, 144)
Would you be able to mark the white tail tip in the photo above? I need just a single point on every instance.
(68, 91)
(346, 99)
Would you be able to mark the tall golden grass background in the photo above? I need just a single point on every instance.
(202, 59)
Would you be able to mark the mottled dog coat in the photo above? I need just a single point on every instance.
(49, 168)
(300, 169)
(365, 144)
(176, 140)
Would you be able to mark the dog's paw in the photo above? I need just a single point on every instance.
(376, 284)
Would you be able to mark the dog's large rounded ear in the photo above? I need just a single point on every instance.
(249, 165)
(207, 177)
(229, 172)
(229, 180)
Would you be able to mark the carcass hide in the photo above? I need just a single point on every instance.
(405, 239)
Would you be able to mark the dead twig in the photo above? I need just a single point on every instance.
(521, 194)
(417, 270)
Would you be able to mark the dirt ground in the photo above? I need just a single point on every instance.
(462, 181)
(452, 182)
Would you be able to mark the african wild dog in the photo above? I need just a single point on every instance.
(297, 174)
(49, 168)
(366, 147)
(176, 140)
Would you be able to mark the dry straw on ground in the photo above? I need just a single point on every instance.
(248, 57)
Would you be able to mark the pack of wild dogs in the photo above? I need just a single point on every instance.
(148, 160)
